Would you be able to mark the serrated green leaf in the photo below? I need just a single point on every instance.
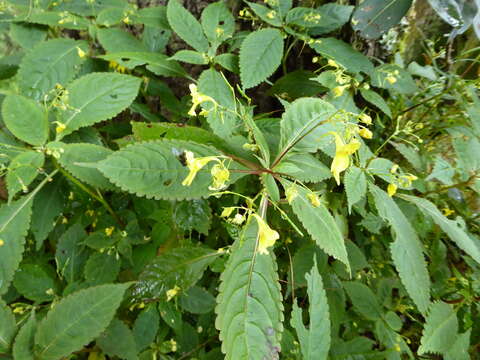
(146, 327)
(343, 54)
(52, 19)
(14, 224)
(451, 227)
(222, 120)
(355, 185)
(101, 268)
(117, 340)
(217, 16)
(24, 341)
(47, 205)
(8, 328)
(301, 126)
(228, 61)
(154, 131)
(116, 40)
(73, 155)
(304, 17)
(407, 252)
(334, 16)
(190, 56)
(249, 310)
(314, 341)
(364, 300)
(25, 119)
(372, 18)
(155, 169)
(110, 16)
(23, 169)
(68, 326)
(412, 155)
(154, 16)
(440, 326)
(97, 97)
(181, 267)
(35, 281)
(304, 167)
(156, 63)
(302, 263)
(197, 300)
(27, 35)
(320, 224)
(155, 40)
(459, 350)
(49, 63)
(266, 14)
(70, 254)
(186, 26)
(260, 55)
(373, 98)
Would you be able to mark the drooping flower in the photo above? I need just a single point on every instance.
(314, 200)
(220, 175)
(172, 293)
(391, 189)
(366, 119)
(365, 133)
(195, 165)
(197, 99)
(339, 90)
(341, 161)
(266, 235)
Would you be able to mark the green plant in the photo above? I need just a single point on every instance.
(123, 223)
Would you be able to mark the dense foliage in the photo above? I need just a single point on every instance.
(260, 180)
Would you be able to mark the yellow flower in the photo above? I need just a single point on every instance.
(81, 53)
(332, 63)
(266, 235)
(271, 14)
(195, 165)
(314, 200)
(220, 175)
(446, 211)
(365, 133)
(341, 161)
(394, 169)
(406, 180)
(197, 99)
(366, 119)
(2, 242)
(339, 90)
(60, 127)
(172, 293)
(291, 193)
(109, 230)
(227, 211)
(392, 189)
(391, 79)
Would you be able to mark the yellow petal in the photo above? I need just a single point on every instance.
(365, 133)
(366, 119)
(220, 175)
(314, 200)
(392, 189)
(266, 235)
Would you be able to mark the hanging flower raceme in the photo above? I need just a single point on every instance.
(266, 235)
(197, 99)
(343, 151)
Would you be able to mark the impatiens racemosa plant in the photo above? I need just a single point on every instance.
(232, 180)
